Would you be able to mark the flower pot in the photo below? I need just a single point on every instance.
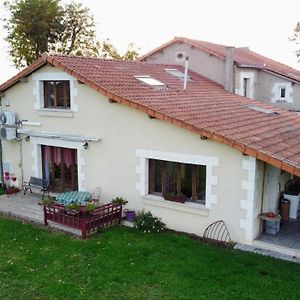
(130, 215)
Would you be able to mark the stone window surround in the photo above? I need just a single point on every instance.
(276, 89)
(143, 167)
(36, 155)
(38, 91)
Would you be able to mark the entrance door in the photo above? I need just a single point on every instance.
(60, 168)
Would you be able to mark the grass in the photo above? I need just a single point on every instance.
(123, 263)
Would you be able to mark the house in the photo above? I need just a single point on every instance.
(239, 70)
(132, 129)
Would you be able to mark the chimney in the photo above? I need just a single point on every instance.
(228, 82)
(185, 72)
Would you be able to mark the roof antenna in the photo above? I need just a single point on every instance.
(185, 72)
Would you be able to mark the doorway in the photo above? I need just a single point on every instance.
(59, 167)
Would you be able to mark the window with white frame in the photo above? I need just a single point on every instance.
(282, 93)
(57, 94)
(55, 91)
(176, 181)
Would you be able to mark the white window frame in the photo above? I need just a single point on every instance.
(38, 90)
(276, 92)
(280, 89)
(143, 171)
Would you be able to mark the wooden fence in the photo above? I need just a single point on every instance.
(85, 221)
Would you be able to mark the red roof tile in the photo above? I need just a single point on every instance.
(242, 57)
(204, 107)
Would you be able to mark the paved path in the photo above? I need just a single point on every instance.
(263, 250)
(26, 208)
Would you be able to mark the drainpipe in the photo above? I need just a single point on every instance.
(185, 72)
(262, 195)
(229, 64)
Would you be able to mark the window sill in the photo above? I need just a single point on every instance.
(192, 208)
(51, 112)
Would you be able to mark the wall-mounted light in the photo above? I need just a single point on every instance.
(27, 139)
(85, 145)
(7, 102)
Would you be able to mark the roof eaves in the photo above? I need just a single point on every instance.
(282, 75)
(24, 73)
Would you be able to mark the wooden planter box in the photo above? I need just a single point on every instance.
(86, 222)
(176, 198)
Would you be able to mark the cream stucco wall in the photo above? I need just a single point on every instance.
(113, 163)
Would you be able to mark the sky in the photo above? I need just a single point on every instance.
(263, 25)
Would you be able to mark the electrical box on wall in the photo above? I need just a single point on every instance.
(8, 118)
(8, 133)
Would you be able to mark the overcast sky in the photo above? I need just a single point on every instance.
(263, 25)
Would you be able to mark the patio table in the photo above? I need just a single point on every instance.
(74, 197)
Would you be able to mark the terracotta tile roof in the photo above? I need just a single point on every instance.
(204, 107)
(242, 57)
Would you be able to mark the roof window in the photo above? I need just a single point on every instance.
(150, 81)
(267, 111)
(177, 73)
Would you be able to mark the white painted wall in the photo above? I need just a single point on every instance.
(118, 163)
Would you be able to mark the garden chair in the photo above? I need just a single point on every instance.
(96, 194)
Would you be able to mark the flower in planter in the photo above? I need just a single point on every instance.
(73, 206)
(48, 201)
(90, 207)
(119, 201)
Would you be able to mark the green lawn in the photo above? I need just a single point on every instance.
(123, 263)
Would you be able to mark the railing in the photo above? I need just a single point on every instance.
(85, 221)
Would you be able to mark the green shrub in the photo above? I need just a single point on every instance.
(73, 206)
(147, 223)
(119, 201)
(48, 201)
(2, 191)
(90, 207)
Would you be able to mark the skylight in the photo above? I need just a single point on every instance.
(267, 111)
(150, 80)
(177, 73)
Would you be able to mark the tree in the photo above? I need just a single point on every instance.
(296, 38)
(32, 26)
(38, 26)
(78, 36)
(108, 51)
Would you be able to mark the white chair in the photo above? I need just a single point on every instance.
(96, 194)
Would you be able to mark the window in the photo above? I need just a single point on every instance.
(177, 178)
(150, 81)
(282, 93)
(57, 94)
(246, 87)
(59, 166)
(177, 73)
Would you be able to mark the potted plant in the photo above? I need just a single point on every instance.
(119, 201)
(73, 208)
(48, 201)
(90, 207)
(12, 190)
(130, 215)
(176, 197)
